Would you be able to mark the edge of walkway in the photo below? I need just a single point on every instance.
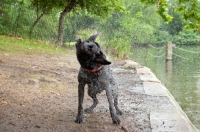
(173, 115)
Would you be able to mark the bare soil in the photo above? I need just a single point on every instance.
(38, 93)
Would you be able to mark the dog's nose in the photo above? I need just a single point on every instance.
(90, 46)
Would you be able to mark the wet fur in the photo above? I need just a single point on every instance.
(90, 56)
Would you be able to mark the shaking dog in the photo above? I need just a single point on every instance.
(96, 73)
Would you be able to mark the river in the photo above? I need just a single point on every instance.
(181, 75)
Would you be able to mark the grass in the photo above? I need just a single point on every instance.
(20, 46)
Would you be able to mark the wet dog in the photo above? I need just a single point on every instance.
(96, 73)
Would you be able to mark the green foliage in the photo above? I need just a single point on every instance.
(175, 26)
(84, 34)
(162, 8)
(48, 5)
(75, 23)
(98, 7)
(101, 7)
(175, 30)
(17, 18)
(188, 9)
(46, 29)
(13, 19)
(187, 37)
(121, 31)
(119, 47)
(140, 24)
(161, 37)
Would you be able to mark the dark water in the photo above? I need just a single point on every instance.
(181, 75)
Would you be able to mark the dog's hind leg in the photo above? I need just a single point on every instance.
(118, 111)
(115, 95)
(95, 101)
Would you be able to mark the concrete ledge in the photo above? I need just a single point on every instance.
(163, 119)
(147, 103)
(168, 122)
(154, 89)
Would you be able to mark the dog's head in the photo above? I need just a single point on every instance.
(88, 47)
(90, 52)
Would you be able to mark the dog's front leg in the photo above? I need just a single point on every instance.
(79, 117)
(114, 117)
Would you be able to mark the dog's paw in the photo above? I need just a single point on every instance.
(116, 119)
(79, 119)
(119, 112)
(88, 110)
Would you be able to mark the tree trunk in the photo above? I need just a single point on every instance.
(67, 9)
(44, 11)
(34, 24)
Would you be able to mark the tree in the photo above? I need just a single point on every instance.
(188, 9)
(97, 7)
(41, 10)
(102, 9)
(13, 17)
(121, 31)
(174, 26)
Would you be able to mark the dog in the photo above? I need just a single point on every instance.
(96, 73)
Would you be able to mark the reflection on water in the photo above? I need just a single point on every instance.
(180, 76)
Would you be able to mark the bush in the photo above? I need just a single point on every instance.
(161, 37)
(187, 37)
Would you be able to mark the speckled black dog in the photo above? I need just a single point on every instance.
(95, 72)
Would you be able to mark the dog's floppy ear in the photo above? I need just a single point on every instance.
(101, 58)
(93, 37)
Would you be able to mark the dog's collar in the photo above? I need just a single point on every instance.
(94, 70)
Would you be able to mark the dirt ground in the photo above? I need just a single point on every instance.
(38, 93)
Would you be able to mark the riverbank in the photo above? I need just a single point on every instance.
(39, 93)
(180, 76)
(164, 112)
